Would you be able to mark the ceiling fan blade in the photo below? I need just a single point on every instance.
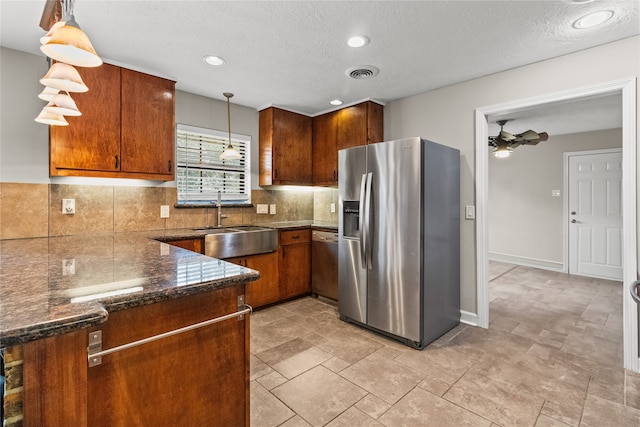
(529, 135)
(51, 14)
(543, 136)
(506, 136)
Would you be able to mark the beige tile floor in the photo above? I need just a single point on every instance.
(552, 356)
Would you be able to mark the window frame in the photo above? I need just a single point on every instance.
(207, 195)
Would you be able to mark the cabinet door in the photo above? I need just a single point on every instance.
(295, 269)
(196, 378)
(91, 142)
(285, 147)
(148, 124)
(325, 149)
(264, 290)
(194, 245)
(352, 126)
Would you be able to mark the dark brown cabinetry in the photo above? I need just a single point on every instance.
(126, 129)
(265, 290)
(196, 378)
(349, 127)
(195, 245)
(285, 147)
(294, 264)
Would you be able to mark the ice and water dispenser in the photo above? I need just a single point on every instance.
(351, 218)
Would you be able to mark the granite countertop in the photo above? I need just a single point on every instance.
(51, 286)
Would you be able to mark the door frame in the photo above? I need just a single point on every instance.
(627, 89)
(565, 201)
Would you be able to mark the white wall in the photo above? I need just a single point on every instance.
(24, 143)
(447, 116)
(525, 220)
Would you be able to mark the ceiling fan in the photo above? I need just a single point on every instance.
(505, 142)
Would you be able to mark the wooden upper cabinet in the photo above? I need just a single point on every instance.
(91, 142)
(127, 127)
(348, 127)
(148, 117)
(285, 147)
(325, 149)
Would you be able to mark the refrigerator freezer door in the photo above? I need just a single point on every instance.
(394, 281)
(352, 276)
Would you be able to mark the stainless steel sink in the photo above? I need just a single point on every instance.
(242, 240)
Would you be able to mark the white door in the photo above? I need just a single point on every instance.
(595, 214)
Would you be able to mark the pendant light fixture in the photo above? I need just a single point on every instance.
(68, 43)
(229, 153)
(63, 104)
(48, 118)
(63, 76)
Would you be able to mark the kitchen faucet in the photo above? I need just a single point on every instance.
(219, 206)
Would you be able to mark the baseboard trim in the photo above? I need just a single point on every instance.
(468, 318)
(528, 262)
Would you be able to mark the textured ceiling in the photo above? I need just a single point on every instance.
(293, 54)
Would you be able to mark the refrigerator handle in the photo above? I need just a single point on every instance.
(361, 221)
(367, 220)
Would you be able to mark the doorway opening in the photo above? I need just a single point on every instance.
(627, 89)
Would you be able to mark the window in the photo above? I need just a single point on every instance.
(200, 173)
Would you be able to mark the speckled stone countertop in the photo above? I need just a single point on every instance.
(51, 286)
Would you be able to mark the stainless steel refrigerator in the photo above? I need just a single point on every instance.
(399, 239)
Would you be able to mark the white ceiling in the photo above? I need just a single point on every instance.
(293, 54)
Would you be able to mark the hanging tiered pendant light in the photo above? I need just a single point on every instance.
(67, 44)
(229, 153)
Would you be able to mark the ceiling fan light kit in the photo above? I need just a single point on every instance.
(504, 143)
(67, 44)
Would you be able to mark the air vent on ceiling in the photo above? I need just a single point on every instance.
(361, 72)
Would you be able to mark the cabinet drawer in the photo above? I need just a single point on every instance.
(295, 236)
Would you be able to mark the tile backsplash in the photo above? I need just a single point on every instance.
(35, 210)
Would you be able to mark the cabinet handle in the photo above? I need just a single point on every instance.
(295, 237)
(169, 165)
(335, 175)
(275, 173)
(117, 161)
(284, 252)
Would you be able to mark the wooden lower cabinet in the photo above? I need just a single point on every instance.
(265, 290)
(196, 378)
(194, 245)
(294, 262)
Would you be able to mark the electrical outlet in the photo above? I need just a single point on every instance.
(272, 209)
(68, 206)
(555, 193)
(333, 208)
(164, 211)
(68, 267)
(262, 208)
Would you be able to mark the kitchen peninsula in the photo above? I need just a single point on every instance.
(62, 297)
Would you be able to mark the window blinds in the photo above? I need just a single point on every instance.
(200, 173)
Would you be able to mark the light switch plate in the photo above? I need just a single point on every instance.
(469, 212)
(333, 207)
(272, 209)
(164, 211)
(262, 208)
(555, 193)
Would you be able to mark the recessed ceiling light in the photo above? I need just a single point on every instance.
(213, 60)
(336, 102)
(358, 41)
(593, 19)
